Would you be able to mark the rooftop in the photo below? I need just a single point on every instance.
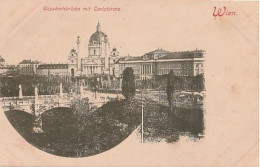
(29, 62)
(161, 54)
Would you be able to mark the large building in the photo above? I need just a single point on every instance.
(28, 67)
(160, 62)
(100, 58)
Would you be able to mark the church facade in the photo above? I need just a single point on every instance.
(100, 59)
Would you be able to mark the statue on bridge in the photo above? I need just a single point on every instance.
(35, 92)
(61, 91)
(20, 92)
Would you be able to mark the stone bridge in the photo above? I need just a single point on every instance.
(37, 104)
(34, 105)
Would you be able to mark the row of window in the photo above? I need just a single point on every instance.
(177, 72)
(146, 69)
(174, 65)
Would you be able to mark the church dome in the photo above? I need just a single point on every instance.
(98, 36)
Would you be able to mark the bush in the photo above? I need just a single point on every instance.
(128, 83)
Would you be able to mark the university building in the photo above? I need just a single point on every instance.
(160, 62)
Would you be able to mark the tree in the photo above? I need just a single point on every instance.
(170, 87)
(80, 107)
(128, 83)
(198, 82)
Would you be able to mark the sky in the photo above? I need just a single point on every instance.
(29, 32)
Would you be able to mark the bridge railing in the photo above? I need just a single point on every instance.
(48, 96)
(18, 102)
(31, 97)
(9, 98)
(28, 97)
(15, 98)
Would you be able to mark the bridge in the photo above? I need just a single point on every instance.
(36, 105)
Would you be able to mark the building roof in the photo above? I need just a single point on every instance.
(53, 66)
(161, 54)
(183, 55)
(29, 62)
(2, 59)
(158, 51)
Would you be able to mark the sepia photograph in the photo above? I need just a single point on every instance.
(98, 82)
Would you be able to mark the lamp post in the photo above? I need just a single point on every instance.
(142, 106)
(142, 116)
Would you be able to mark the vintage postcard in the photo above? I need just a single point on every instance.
(129, 83)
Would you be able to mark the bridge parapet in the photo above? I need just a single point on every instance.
(36, 104)
(48, 96)
(32, 97)
(17, 102)
(9, 98)
(15, 98)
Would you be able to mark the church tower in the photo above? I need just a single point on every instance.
(78, 59)
(73, 62)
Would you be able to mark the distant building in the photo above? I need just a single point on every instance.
(2, 61)
(8, 70)
(53, 69)
(160, 62)
(3, 70)
(28, 67)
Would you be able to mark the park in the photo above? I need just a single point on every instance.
(97, 117)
